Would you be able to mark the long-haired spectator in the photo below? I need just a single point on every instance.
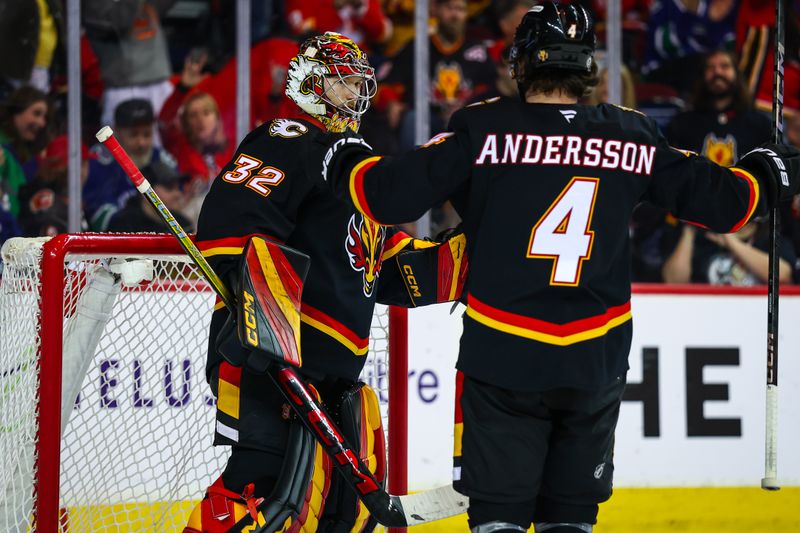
(202, 126)
(23, 125)
(720, 87)
(721, 124)
(197, 139)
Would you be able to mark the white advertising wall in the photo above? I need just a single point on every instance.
(695, 406)
(693, 413)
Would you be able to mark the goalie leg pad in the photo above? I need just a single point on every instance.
(357, 410)
(290, 473)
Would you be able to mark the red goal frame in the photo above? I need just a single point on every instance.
(48, 439)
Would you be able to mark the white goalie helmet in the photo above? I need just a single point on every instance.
(331, 79)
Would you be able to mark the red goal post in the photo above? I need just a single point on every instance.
(122, 438)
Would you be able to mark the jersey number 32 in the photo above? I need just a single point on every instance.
(254, 174)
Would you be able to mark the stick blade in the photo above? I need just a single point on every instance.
(431, 505)
(770, 483)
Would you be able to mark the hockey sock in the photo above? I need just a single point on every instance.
(483, 513)
(246, 465)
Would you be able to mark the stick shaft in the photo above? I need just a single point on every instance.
(769, 481)
(107, 137)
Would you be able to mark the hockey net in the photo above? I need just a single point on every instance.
(124, 443)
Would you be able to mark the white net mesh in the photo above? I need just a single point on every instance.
(137, 414)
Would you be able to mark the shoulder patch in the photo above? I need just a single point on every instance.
(629, 109)
(282, 127)
(687, 153)
(484, 102)
(438, 138)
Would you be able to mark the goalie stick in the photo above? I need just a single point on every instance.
(770, 479)
(391, 511)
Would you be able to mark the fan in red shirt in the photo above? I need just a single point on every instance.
(198, 121)
(268, 63)
(362, 20)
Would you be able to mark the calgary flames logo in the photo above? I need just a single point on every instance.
(364, 246)
(449, 85)
(722, 151)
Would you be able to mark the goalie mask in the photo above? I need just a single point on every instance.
(331, 79)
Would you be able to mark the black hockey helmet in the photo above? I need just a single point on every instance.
(554, 36)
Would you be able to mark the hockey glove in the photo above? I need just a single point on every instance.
(778, 167)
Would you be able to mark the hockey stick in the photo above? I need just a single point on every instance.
(770, 479)
(391, 511)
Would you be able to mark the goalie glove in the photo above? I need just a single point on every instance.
(777, 166)
(436, 274)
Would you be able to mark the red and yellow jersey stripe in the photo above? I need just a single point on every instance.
(357, 185)
(755, 194)
(548, 332)
(330, 326)
(229, 245)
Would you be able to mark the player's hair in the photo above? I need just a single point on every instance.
(702, 99)
(550, 80)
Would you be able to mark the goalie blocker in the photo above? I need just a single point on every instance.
(268, 291)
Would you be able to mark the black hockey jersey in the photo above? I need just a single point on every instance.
(721, 137)
(273, 187)
(552, 188)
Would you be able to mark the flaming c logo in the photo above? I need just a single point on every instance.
(364, 246)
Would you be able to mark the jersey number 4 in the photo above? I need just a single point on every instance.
(562, 234)
(254, 174)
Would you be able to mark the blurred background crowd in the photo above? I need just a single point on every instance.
(162, 73)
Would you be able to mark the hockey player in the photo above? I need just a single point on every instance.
(546, 188)
(272, 197)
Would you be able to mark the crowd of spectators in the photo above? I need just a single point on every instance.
(163, 74)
